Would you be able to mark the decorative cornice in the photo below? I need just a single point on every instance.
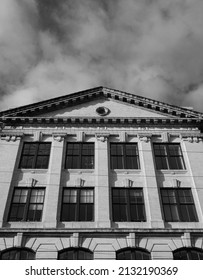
(109, 121)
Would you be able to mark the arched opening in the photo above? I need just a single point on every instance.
(188, 254)
(133, 254)
(75, 254)
(17, 254)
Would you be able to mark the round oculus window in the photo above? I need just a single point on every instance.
(102, 111)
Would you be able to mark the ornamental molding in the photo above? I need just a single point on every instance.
(192, 138)
(31, 182)
(79, 182)
(175, 183)
(103, 137)
(59, 136)
(11, 136)
(145, 137)
(127, 183)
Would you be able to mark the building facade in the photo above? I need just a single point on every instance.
(101, 174)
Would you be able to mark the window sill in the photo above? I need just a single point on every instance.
(131, 225)
(31, 170)
(77, 224)
(177, 225)
(78, 171)
(24, 224)
(126, 171)
(172, 171)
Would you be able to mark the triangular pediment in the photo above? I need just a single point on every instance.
(90, 103)
(103, 107)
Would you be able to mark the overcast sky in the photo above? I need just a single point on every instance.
(153, 48)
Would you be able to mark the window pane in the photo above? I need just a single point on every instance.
(27, 161)
(175, 213)
(86, 196)
(168, 156)
(44, 149)
(86, 212)
(116, 212)
(70, 196)
(136, 196)
(87, 149)
(123, 213)
(35, 155)
(42, 162)
(132, 162)
(29, 148)
(78, 205)
(185, 196)
(178, 205)
(87, 162)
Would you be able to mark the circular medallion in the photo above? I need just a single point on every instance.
(102, 111)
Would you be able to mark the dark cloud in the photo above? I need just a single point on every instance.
(147, 47)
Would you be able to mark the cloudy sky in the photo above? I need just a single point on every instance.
(152, 48)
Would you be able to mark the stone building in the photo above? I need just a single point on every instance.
(101, 174)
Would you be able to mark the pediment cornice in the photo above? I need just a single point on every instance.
(98, 120)
(32, 110)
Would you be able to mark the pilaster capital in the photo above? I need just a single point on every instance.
(103, 137)
(14, 136)
(58, 136)
(145, 137)
(192, 138)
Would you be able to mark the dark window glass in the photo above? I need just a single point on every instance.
(124, 156)
(168, 156)
(17, 254)
(35, 155)
(79, 156)
(133, 254)
(75, 254)
(27, 204)
(188, 254)
(178, 205)
(77, 204)
(128, 205)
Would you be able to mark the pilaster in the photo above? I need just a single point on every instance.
(153, 209)
(102, 207)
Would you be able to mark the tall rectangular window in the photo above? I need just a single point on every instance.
(168, 156)
(128, 205)
(27, 204)
(35, 155)
(178, 205)
(77, 204)
(124, 156)
(79, 156)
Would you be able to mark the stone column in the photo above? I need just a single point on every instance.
(102, 199)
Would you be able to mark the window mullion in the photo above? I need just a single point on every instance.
(178, 205)
(80, 155)
(27, 204)
(168, 158)
(124, 156)
(78, 205)
(127, 191)
(35, 156)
